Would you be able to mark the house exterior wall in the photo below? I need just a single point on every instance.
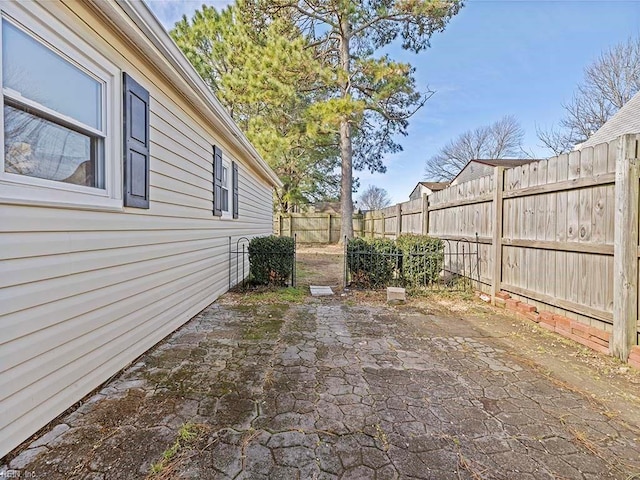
(84, 291)
(419, 191)
(472, 171)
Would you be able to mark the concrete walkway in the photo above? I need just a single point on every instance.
(332, 389)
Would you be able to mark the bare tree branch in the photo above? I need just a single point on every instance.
(501, 139)
(374, 198)
(610, 82)
(556, 140)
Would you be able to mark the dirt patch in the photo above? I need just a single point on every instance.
(320, 266)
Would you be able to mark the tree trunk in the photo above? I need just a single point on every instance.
(346, 185)
(346, 151)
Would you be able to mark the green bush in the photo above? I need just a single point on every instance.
(412, 260)
(422, 259)
(372, 263)
(271, 260)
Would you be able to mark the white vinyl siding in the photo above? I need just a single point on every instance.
(84, 292)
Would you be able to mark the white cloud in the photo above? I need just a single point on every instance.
(170, 11)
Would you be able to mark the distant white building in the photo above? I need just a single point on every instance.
(427, 188)
(627, 120)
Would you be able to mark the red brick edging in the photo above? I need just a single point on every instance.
(591, 337)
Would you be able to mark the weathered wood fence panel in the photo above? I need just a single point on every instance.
(564, 232)
(461, 212)
(404, 217)
(313, 227)
(556, 246)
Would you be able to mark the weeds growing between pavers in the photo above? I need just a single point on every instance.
(270, 295)
(347, 386)
(187, 436)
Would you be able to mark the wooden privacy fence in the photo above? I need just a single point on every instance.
(313, 227)
(390, 222)
(560, 234)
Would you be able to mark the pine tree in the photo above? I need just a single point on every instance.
(371, 97)
(266, 74)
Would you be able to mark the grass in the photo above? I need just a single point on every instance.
(188, 434)
(262, 328)
(278, 295)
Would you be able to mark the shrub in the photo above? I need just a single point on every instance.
(422, 259)
(372, 263)
(271, 259)
(412, 260)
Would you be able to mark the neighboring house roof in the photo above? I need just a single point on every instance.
(506, 162)
(433, 186)
(139, 25)
(490, 163)
(627, 120)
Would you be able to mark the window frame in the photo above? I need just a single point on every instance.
(53, 34)
(226, 167)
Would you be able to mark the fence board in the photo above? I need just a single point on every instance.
(557, 227)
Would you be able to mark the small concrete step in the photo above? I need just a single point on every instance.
(320, 291)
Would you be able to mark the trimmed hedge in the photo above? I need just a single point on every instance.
(271, 260)
(373, 262)
(411, 260)
(422, 259)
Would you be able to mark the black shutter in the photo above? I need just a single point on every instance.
(235, 189)
(136, 144)
(217, 181)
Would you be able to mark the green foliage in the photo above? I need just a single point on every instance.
(267, 75)
(188, 434)
(271, 259)
(411, 260)
(372, 263)
(422, 259)
(368, 97)
(287, 295)
(305, 81)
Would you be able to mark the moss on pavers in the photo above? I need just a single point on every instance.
(325, 389)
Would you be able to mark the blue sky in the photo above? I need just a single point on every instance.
(496, 57)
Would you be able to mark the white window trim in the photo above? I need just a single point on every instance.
(228, 214)
(22, 189)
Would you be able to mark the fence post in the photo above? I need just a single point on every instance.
(398, 219)
(329, 228)
(498, 188)
(425, 214)
(625, 248)
(290, 225)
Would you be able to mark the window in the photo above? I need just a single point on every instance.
(58, 114)
(53, 126)
(224, 187)
(235, 190)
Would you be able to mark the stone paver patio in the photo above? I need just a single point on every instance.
(330, 389)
